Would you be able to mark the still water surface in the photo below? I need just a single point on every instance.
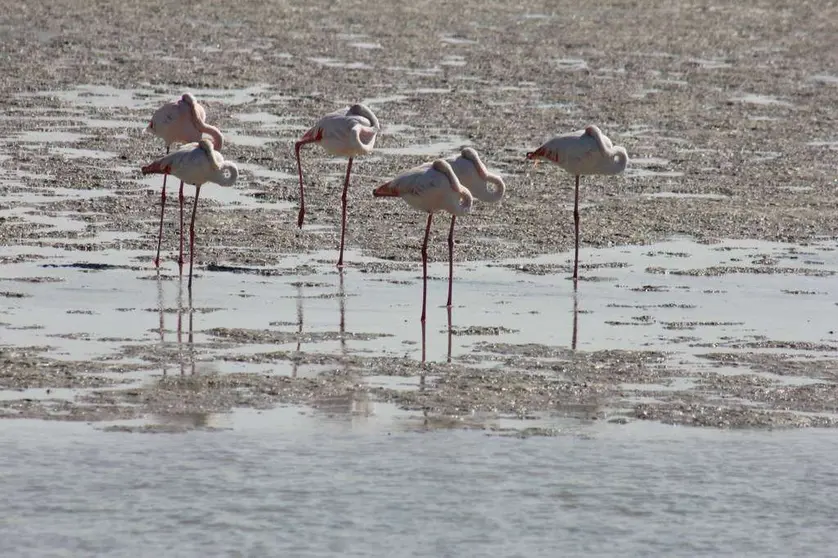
(284, 483)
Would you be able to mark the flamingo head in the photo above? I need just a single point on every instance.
(534, 156)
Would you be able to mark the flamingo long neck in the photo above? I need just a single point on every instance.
(226, 175)
(618, 159)
(616, 156)
(464, 199)
(499, 188)
(362, 110)
(213, 132)
(482, 190)
(199, 123)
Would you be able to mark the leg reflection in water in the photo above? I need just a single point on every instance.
(190, 361)
(295, 362)
(450, 334)
(342, 308)
(161, 311)
(575, 321)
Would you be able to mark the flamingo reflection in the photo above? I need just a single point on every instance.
(190, 360)
(182, 359)
(295, 363)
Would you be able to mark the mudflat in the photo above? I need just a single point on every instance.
(708, 266)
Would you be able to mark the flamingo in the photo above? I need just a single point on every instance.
(482, 184)
(346, 133)
(181, 121)
(195, 163)
(429, 188)
(586, 151)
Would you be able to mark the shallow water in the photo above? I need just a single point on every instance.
(651, 297)
(295, 483)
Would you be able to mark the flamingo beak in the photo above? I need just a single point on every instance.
(156, 168)
(385, 190)
(533, 156)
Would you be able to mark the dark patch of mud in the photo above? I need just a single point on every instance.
(26, 368)
(715, 271)
(728, 416)
(778, 364)
(260, 336)
(481, 330)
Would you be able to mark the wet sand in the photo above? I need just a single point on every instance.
(708, 268)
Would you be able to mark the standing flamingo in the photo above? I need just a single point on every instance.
(483, 185)
(345, 133)
(586, 151)
(429, 188)
(195, 164)
(181, 121)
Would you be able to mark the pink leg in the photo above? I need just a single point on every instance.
(576, 229)
(343, 201)
(192, 236)
(297, 146)
(451, 262)
(575, 322)
(162, 211)
(180, 254)
(425, 267)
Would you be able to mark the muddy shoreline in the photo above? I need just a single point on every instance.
(727, 113)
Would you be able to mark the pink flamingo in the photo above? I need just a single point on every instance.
(346, 133)
(586, 151)
(195, 163)
(181, 121)
(482, 184)
(429, 188)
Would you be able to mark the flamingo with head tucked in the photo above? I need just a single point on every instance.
(483, 185)
(586, 151)
(181, 121)
(195, 163)
(429, 188)
(346, 133)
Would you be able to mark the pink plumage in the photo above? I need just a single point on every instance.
(587, 152)
(345, 133)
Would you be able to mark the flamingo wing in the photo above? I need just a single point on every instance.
(189, 163)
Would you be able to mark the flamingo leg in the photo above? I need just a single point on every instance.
(297, 146)
(344, 203)
(425, 267)
(180, 253)
(451, 262)
(192, 237)
(576, 231)
(162, 211)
